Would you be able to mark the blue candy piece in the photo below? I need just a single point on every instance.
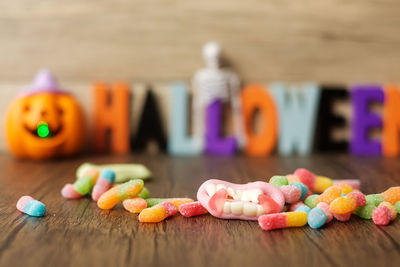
(302, 187)
(317, 218)
(108, 174)
(35, 208)
(304, 208)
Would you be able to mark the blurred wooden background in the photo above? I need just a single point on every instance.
(159, 41)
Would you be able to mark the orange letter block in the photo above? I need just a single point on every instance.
(111, 113)
(391, 122)
(255, 97)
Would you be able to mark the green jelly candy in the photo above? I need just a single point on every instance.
(154, 201)
(278, 181)
(311, 201)
(145, 193)
(123, 172)
(365, 212)
(374, 199)
(397, 206)
(84, 185)
(127, 190)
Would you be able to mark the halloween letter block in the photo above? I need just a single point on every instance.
(391, 122)
(297, 110)
(111, 113)
(179, 143)
(363, 120)
(262, 143)
(215, 145)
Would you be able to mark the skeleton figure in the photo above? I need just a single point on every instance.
(211, 83)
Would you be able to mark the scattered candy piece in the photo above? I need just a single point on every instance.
(342, 217)
(384, 213)
(278, 181)
(306, 177)
(354, 183)
(303, 188)
(397, 206)
(104, 182)
(319, 215)
(282, 220)
(374, 199)
(30, 206)
(145, 193)
(291, 193)
(123, 172)
(84, 185)
(365, 212)
(68, 191)
(158, 212)
(177, 201)
(299, 206)
(192, 209)
(119, 193)
(322, 183)
(134, 205)
(311, 201)
(347, 204)
(392, 195)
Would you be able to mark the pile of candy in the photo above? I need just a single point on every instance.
(293, 200)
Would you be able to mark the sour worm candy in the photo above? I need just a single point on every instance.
(145, 193)
(158, 212)
(68, 191)
(334, 192)
(123, 172)
(104, 182)
(192, 209)
(319, 216)
(384, 213)
(240, 201)
(348, 203)
(134, 205)
(176, 201)
(299, 206)
(30, 206)
(311, 201)
(365, 212)
(84, 184)
(119, 193)
(282, 220)
(279, 181)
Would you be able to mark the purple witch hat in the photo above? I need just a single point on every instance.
(44, 82)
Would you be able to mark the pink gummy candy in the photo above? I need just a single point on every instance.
(68, 191)
(291, 193)
(192, 209)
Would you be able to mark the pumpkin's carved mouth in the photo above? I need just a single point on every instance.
(52, 132)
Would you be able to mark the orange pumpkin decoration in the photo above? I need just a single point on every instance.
(44, 122)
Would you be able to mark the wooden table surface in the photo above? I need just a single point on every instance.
(77, 233)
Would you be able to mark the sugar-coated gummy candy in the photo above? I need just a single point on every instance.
(397, 206)
(145, 193)
(123, 172)
(306, 177)
(282, 220)
(384, 213)
(104, 182)
(342, 217)
(292, 194)
(278, 181)
(302, 187)
(322, 183)
(176, 201)
(30, 206)
(192, 209)
(311, 201)
(119, 193)
(134, 205)
(68, 191)
(392, 195)
(353, 183)
(158, 212)
(374, 199)
(292, 178)
(365, 212)
(84, 185)
(299, 206)
(330, 194)
(319, 216)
